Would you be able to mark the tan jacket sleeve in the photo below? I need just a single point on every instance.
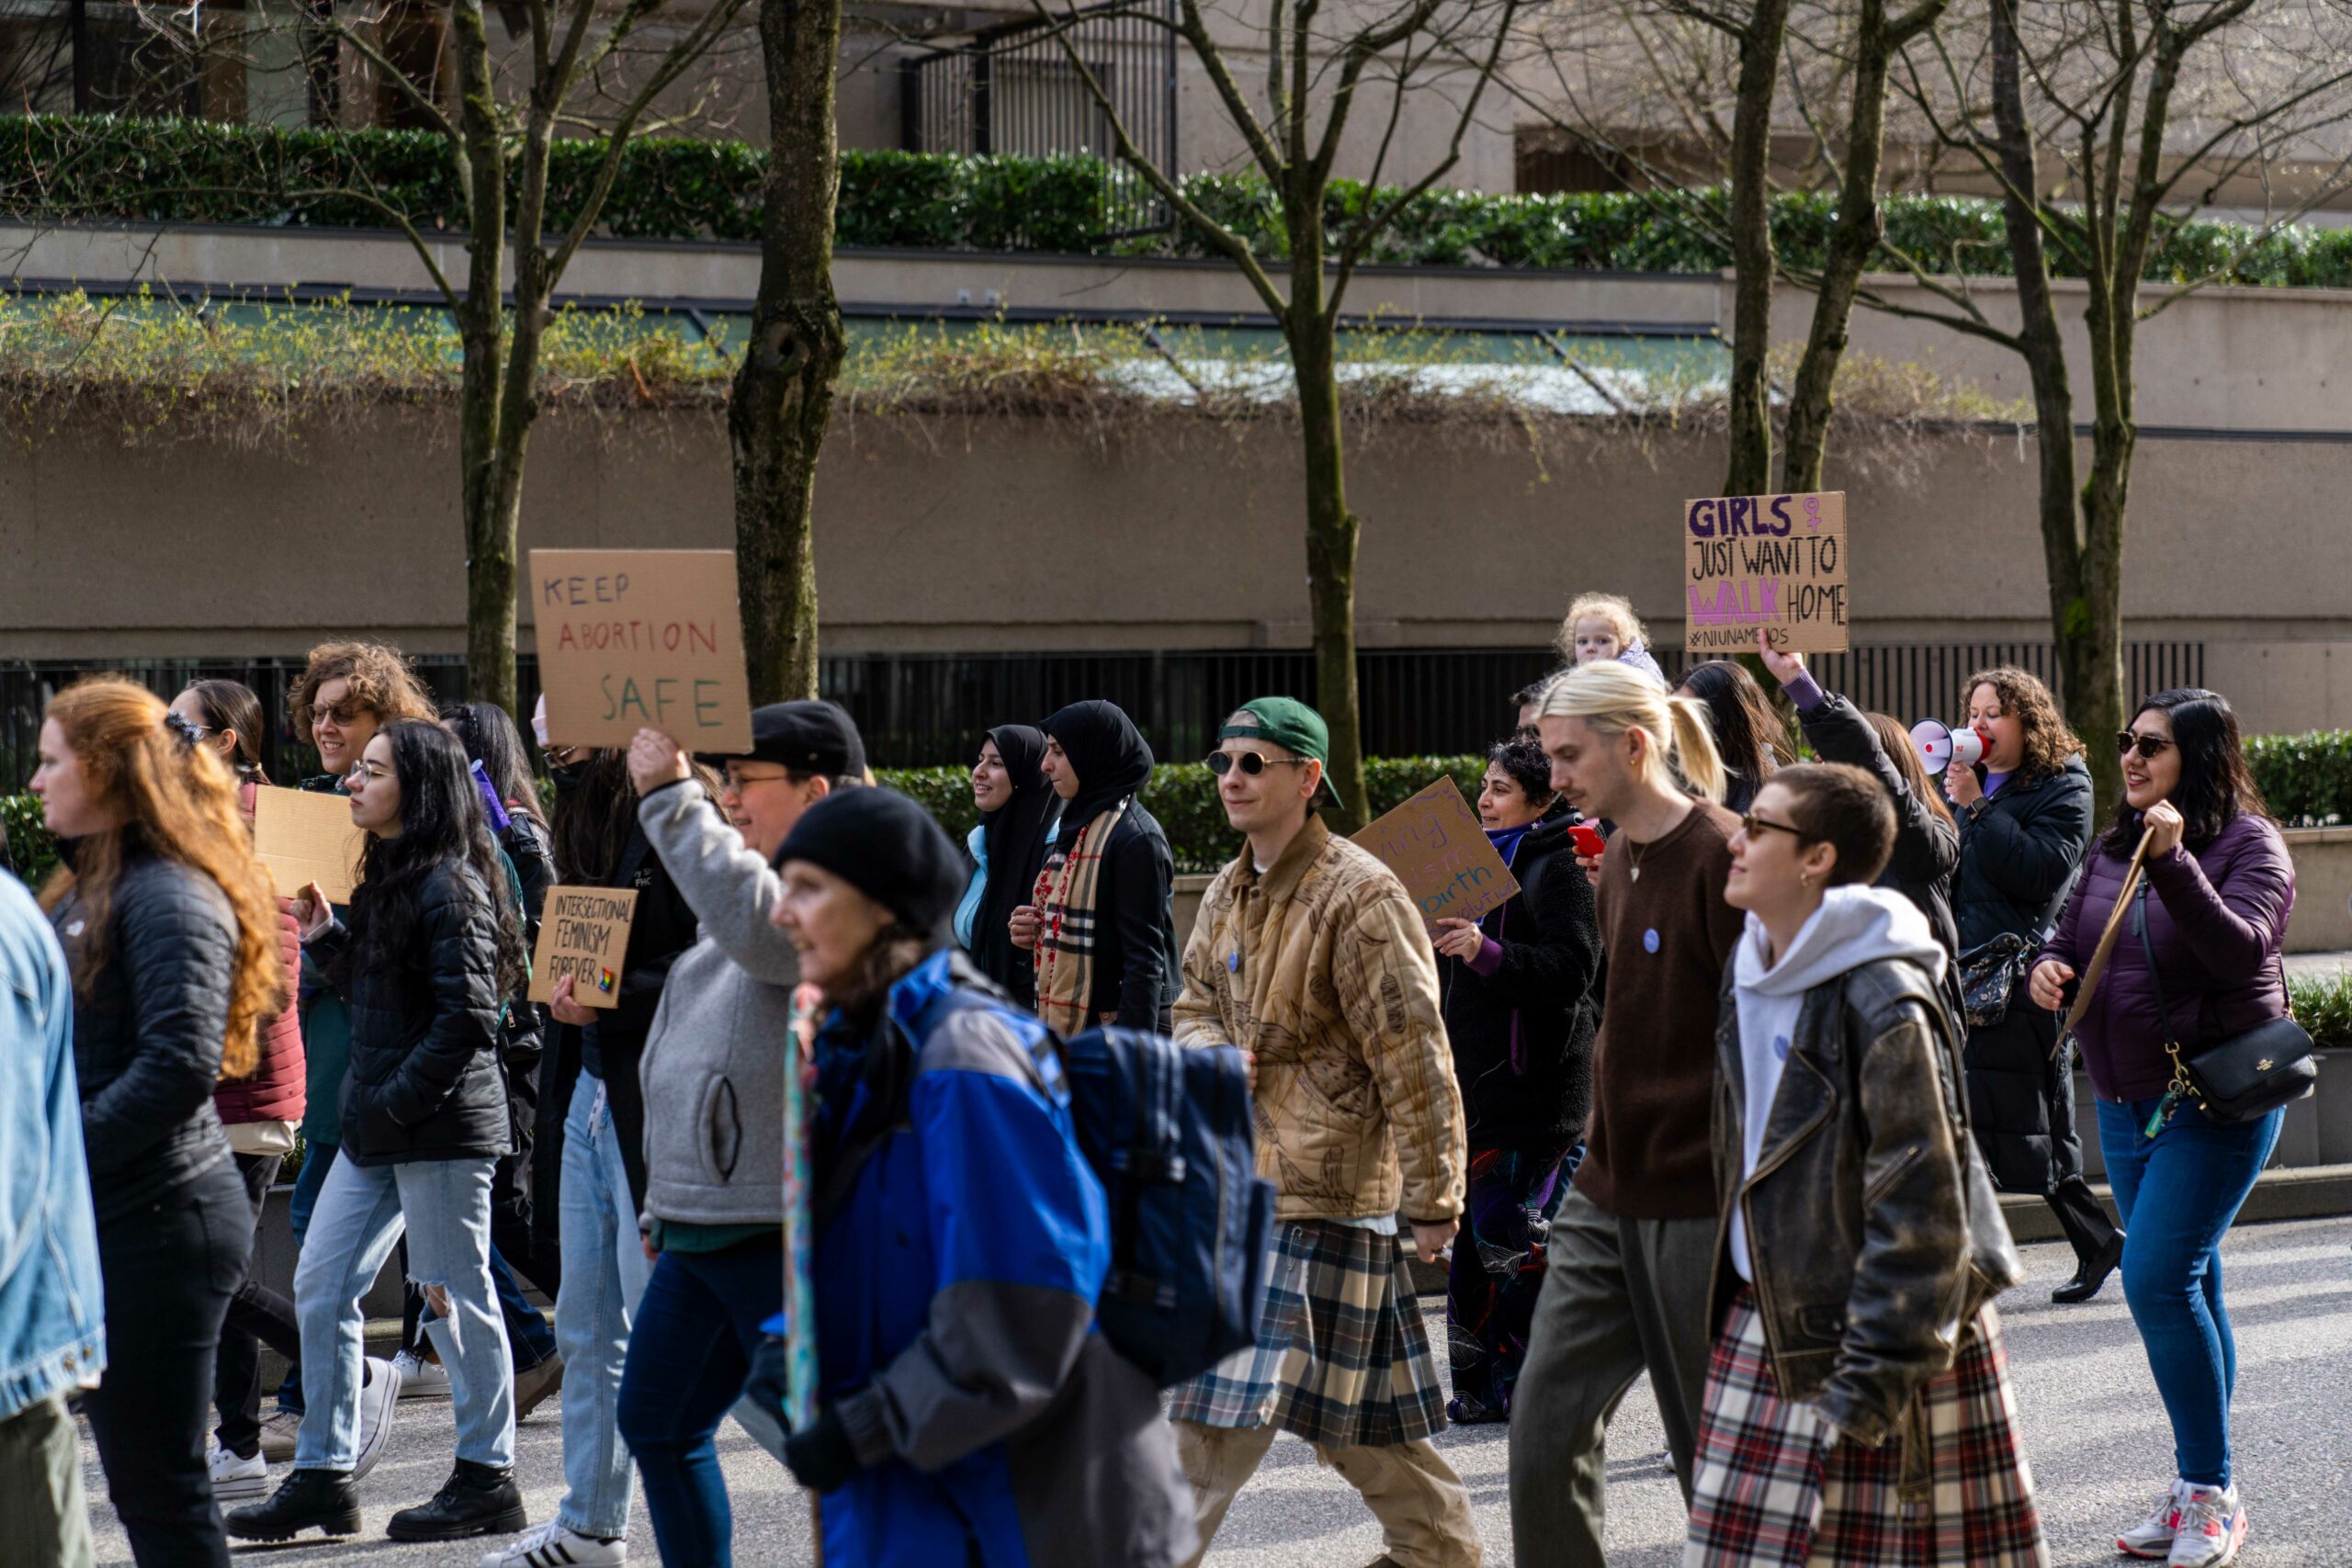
(1385, 974)
(1198, 1019)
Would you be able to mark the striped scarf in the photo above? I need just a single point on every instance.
(1066, 894)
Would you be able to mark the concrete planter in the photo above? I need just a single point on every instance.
(2322, 918)
(1189, 890)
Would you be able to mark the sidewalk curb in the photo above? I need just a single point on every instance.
(2283, 1193)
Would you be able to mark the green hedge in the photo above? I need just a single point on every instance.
(2324, 1008)
(2306, 779)
(197, 171)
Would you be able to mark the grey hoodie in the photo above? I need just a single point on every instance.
(715, 1060)
(1853, 926)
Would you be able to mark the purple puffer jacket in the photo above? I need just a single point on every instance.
(2216, 918)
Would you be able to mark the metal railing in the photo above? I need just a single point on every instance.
(1013, 89)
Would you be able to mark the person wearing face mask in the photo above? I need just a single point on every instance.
(1102, 922)
(2024, 814)
(1019, 816)
(260, 1113)
(2195, 963)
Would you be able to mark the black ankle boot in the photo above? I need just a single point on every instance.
(308, 1498)
(477, 1500)
(2091, 1274)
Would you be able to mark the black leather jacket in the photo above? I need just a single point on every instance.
(424, 1080)
(148, 1028)
(1874, 1231)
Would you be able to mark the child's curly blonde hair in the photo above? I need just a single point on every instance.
(1614, 608)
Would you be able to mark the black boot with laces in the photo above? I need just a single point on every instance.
(477, 1500)
(320, 1499)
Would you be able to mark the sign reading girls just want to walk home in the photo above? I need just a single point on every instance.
(1772, 561)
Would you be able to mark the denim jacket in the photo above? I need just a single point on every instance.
(52, 1314)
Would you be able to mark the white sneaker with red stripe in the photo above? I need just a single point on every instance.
(2212, 1528)
(2152, 1537)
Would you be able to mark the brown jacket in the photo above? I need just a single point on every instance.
(1323, 969)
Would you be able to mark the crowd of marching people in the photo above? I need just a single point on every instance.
(1724, 1093)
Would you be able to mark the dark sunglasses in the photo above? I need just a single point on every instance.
(1752, 825)
(1251, 763)
(2146, 745)
(342, 713)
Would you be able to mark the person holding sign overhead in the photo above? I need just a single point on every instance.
(431, 954)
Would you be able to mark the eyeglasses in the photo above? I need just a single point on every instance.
(736, 783)
(342, 713)
(1251, 763)
(2146, 745)
(564, 756)
(368, 773)
(1752, 825)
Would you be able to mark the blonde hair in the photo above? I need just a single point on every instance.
(1613, 698)
(1614, 608)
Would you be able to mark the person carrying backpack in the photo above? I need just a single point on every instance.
(1311, 957)
(969, 1410)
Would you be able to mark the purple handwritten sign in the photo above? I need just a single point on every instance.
(1771, 562)
(1435, 845)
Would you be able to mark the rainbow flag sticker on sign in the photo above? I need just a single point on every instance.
(606, 980)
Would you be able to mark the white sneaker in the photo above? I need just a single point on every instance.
(421, 1379)
(2212, 1528)
(2152, 1537)
(550, 1545)
(378, 1399)
(234, 1477)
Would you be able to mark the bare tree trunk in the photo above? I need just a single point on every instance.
(782, 398)
(1331, 528)
(1748, 470)
(489, 519)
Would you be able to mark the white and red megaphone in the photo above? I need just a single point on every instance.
(1940, 746)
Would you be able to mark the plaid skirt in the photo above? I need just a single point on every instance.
(1766, 1493)
(1341, 1358)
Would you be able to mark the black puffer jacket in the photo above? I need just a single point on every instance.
(2018, 851)
(1137, 970)
(1926, 841)
(424, 1080)
(1523, 1017)
(148, 1028)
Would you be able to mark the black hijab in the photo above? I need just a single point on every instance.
(1108, 753)
(1014, 838)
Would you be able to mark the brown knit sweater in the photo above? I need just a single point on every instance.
(1666, 937)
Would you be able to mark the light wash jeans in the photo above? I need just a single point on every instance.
(445, 1207)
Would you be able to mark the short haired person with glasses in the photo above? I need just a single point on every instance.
(1311, 957)
(1856, 1346)
(2196, 962)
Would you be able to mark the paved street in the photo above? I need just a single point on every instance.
(2095, 1429)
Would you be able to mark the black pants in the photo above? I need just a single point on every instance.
(2021, 1103)
(169, 1270)
(257, 1317)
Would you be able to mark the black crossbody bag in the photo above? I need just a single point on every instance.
(2240, 1078)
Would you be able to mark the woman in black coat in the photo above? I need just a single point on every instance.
(1523, 1005)
(1018, 813)
(430, 959)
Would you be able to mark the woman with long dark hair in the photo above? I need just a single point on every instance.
(2197, 962)
(432, 952)
(1749, 736)
(171, 931)
(1019, 812)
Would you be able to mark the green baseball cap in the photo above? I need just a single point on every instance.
(1285, 721)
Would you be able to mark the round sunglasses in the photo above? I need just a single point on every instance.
(1251, 763)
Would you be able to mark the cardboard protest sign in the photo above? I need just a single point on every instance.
(1435, 845)
(639, 640)
(583, 932)
(302, 835)
(1766, 560)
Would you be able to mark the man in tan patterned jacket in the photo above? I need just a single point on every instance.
(1309, 955)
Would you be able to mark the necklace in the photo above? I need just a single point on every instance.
(1634, 859)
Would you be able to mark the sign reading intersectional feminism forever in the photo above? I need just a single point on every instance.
(300, 836)
(1776, 561)
(642, 639)
(583, 932)
(1438, 850)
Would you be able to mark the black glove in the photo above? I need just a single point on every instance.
(769, 1385)
(820, 1458)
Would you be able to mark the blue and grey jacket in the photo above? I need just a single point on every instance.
(52, 1309)
(956, 1278)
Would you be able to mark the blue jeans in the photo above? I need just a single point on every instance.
(688, 1360)
(317, 1160)
(528, 1334)
(444, 1205)
(604, 1271)
(2178, 1193)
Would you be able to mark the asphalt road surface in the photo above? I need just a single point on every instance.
(2096, 1432)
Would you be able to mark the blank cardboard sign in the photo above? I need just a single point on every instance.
(1438, 850)
(642, 639)
(302, 835)
(583, 932)
(1771, 561)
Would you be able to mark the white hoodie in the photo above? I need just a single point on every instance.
(1853, 926)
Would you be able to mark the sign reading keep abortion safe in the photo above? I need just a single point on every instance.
(1438, 850)
(1771, 562)
(642, 639)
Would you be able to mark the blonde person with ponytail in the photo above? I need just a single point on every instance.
(1633, 1246)
(171, 932)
